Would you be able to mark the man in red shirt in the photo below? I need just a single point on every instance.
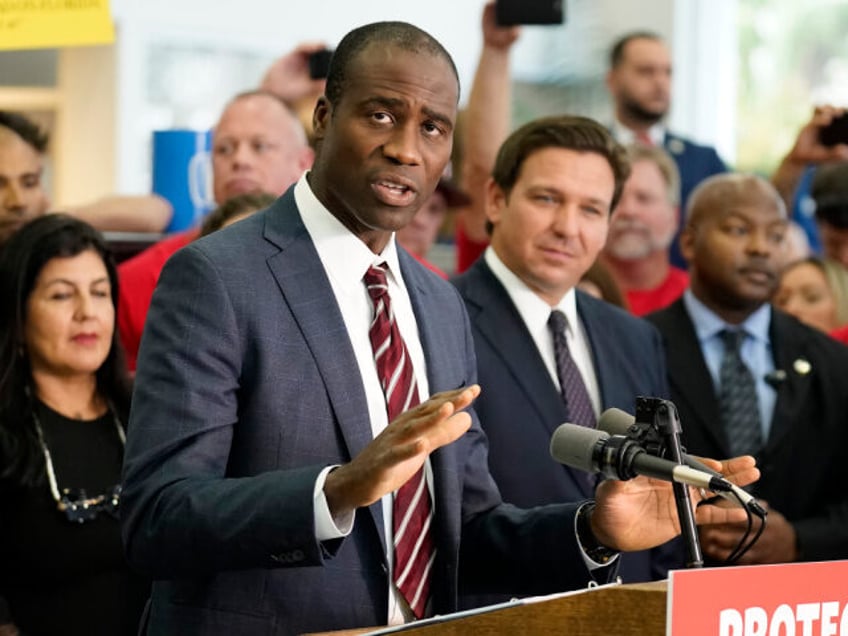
(259, 146)
(637, 251)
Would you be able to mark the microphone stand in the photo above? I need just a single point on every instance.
(655, 416)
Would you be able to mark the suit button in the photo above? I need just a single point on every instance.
(287, 558)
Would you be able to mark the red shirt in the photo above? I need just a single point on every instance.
(433, 268)
(137, 278)
(467, 250)
(644, 301)
(840, 334)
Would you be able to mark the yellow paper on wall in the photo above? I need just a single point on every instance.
(35, 24)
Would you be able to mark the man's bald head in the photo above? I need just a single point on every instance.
(734, 241)
(259, 145)
(731, 189)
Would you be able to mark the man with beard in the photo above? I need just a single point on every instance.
(639, 82)
(641, 232)
(730, 353)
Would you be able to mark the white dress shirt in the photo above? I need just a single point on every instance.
(535, 313)
(346, 259)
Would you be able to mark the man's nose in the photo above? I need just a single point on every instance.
(403, 145)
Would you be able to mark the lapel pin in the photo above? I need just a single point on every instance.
(675, 146)
(802, 367)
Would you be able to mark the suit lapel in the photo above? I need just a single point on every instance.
(788, 352)
(303, 282)
(604, 354)
(499, 323)
(689, 376)
(497, 320)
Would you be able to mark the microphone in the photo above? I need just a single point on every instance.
(617, 422)
(775, 378)
(617, 457)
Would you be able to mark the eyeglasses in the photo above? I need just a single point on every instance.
(79, 507)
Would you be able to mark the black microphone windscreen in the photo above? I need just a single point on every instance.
(615, 421)
(574, 446)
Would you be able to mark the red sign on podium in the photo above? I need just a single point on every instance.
(794, 599)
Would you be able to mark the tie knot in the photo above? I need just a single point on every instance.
(732, 339)
(557, 321)
(375, 281)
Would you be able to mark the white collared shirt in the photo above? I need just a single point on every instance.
(346, 259)
(535, 313)
(625, 136)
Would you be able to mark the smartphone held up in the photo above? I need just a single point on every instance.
(515, 12)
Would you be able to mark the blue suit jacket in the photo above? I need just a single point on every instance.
(695, 163)
(520, 406)
(246, 388)
(802, 465)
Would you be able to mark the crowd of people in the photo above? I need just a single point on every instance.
(289, 420)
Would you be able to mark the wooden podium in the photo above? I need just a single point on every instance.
(637, 609)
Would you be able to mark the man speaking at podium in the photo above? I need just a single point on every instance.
(301, 452)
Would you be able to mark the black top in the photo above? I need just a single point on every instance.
(60, 577)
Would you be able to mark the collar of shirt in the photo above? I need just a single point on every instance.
(756, 350)
(708, 324)
(625, 136)
(535, 313)
(346, 259)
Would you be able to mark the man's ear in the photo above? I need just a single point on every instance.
(321, 117)
(687, 244)
(495, 202)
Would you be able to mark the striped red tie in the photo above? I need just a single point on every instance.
(412, 511)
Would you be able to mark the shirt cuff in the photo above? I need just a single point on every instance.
(595, 555)
(328, 527)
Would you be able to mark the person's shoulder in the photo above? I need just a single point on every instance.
(680, 146)
(667, 316)
(811, 341)
(610, 316)
(155, 256)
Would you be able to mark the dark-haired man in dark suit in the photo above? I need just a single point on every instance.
(639, 83)
(554, 185)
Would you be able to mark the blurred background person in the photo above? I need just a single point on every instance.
(829, 192)
(485, 124)
(291, 79)
(235, 209)
(642, 228)
(639, 84)
(815, 291)
(23, 196)
(22, 147)
(64, 401)
(258, 146)
(420, 234)
(598, 282)
(794, 175)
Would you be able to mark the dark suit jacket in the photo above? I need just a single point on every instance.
(695, 163)
(807, 451)
(247, 387)
(520, 406)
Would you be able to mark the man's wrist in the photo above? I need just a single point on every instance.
(589, 543)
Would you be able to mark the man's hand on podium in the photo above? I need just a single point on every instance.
(777, 544)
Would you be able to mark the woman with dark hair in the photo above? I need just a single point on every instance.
(64, 399)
